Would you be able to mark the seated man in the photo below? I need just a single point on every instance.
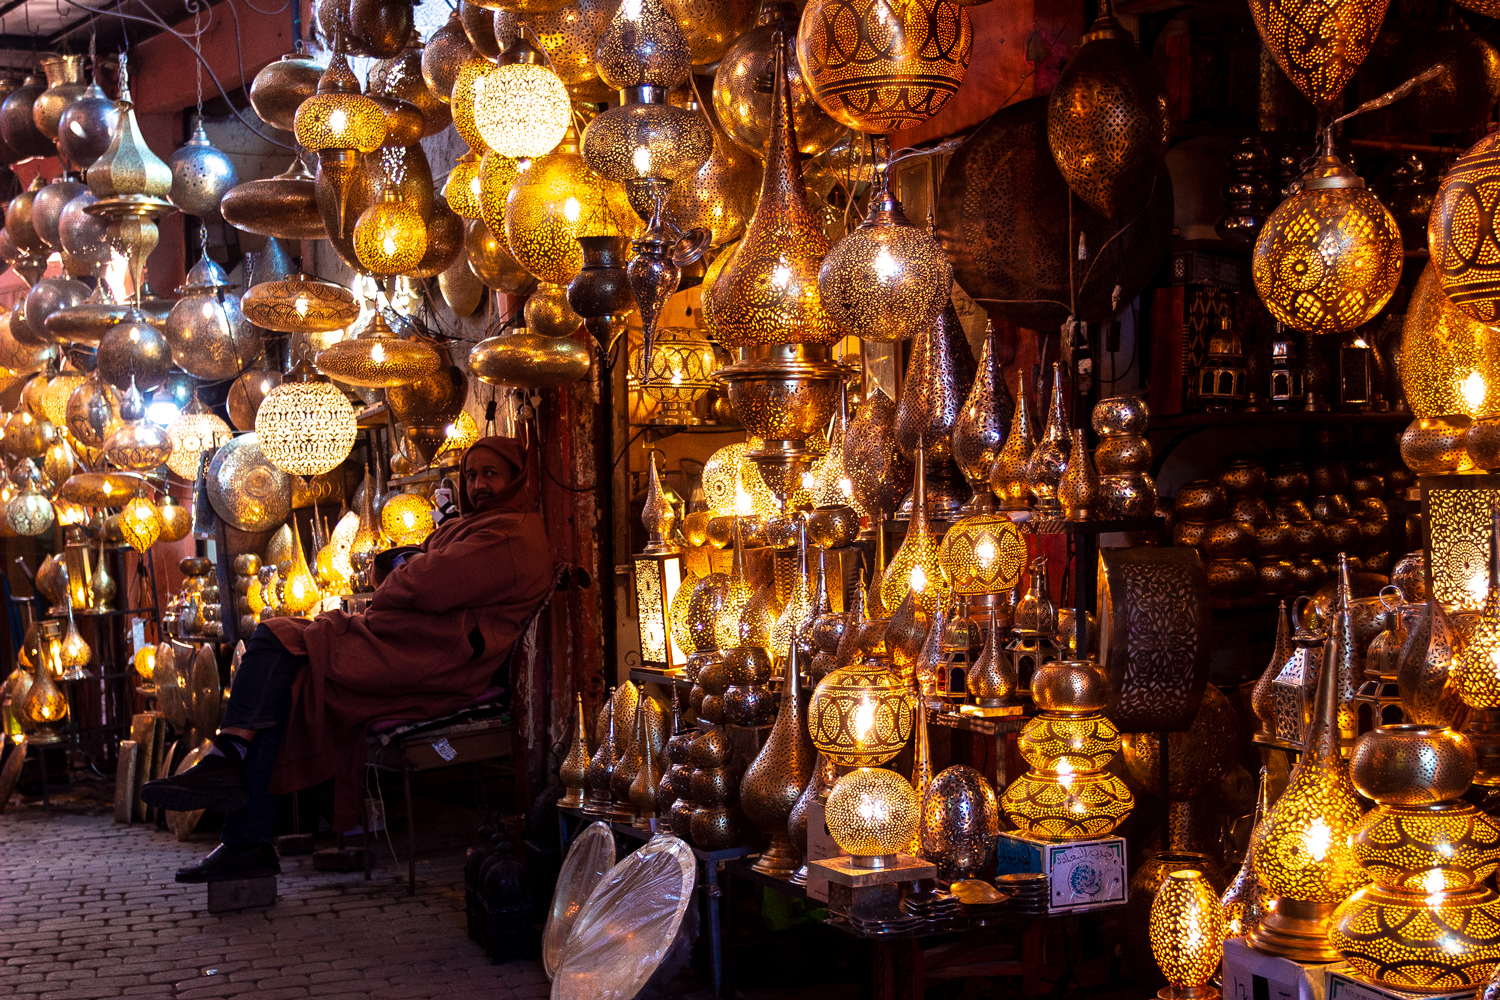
(437, 628)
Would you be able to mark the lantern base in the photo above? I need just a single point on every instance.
(1296, 930)
(45, 735)
(622, 812)
(1188, 993)
(946, 496)
(780, 859)
(993, 708)
(597, 804)
(649, 823)
(572, 800)
(1483, 731)
(844, 870)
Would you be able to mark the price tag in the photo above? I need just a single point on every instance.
(445, 749)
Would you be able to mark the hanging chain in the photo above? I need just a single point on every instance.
(198, 62)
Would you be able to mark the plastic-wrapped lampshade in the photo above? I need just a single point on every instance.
(521, 108)
(305, 425)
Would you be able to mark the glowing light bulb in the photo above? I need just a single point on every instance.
(1317, 840)
(572, 210)
(1473, 390)
(985, 552)
(918, 579)
(885, 265)
(641, 159)
(301, 305)
(864, 720)
(337, 120)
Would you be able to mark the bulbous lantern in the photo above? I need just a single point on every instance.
(85, 128)
(377, 358)
(280, 88)
(64, 86)
(1462, 230)
(136, 443)
(1329, 257)
(18, 127)
(390, 237)
(881, 66)
(1107, 120)
(521, 108)
(1318, 45)
(305, 425)
(744, 107)
(132, 184)
(643, 55)
(208, 333)
(887, 279)
(339, 123)
(201, 173)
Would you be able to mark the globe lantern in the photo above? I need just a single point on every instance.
(305, 425)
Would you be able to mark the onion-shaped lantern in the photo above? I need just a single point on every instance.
(201, 174)
(207, 330)
(140, 523)
(136, 443)
(86, 127)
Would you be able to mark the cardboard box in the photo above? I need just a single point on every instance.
(1084, 873)
(1249, 975)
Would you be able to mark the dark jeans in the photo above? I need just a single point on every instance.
(260, 699)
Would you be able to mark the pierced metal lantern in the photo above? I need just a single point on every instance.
(983, 555)
(681, 373)
(191, 434)
(84, 130)
(861, 715)
(201, 173)
(300, 305)
(305, 425)
(390, 236)
(743, 103)
(647, 138)
(377, 358)
(1329, 257)
(1293, 688)
(1220, 381)
(207, 331)
(1107, 119)
(880, 67)
(338, 116)
(1462, 227)
(1450, 362)
(521, 107)
(1318, 45)
(134, 351)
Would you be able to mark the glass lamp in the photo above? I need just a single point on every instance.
(1187, 936)
(1301, 850)
(46, 707)
(1429, 923)
(521, 108)
(658, 575)
(305, 425)
(377, 358)
(140, 523)
(390, 236)
(1329, 257)
(1067, 794)
(463, 187)
(872, 814)
(145, 665)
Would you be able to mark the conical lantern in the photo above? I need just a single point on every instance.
(1302, 849)
(979, 434)
(743, 104)
(46, 706)
(879, 66)
(86, 126)
(887, 279)
(768, 294)
(1243, 904)
(299, 589)
(1329, 257)
(207, 330)
(573, 772)
(1044, 472)
(554, 202)
(938, 380)
(775, 779)
(201, 174)
(74, 653)
(1008, 474)
(1319, 45)
(915, 568)
(879, 472)
(1107, 120)
(1461, 228)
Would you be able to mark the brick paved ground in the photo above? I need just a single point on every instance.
(89, 909)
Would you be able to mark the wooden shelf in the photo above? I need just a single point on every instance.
(1276, 418)
(1033, 526)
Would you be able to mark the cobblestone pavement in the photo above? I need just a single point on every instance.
(89, 909)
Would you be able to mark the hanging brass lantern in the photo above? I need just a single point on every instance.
(443, 55)
(18, 224)
(879, 66)
(201, 173)
(207, 331)
(1461, 228)
(377, 358)
(463, 187)
(530, 360)
(64, 87)
(300, 305)
(279, 89)
(887, 279)
(768, 293)
(390, 236)
(555, 201)
(489, 260)
(399, 78)
(743, 102)
(712, 26)
(86, 125)
(284, 206)
(1107, 119)
(521, 108)
(1318, 45)
(134, 351)
(191, 434)
(979, 434)
(1329, 257)
(938, 380)
(305, 425)
(18, 126)
(136, 444)
(46, 209)
(879, 472)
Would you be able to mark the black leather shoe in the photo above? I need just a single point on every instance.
(212, 783)
(227, 862)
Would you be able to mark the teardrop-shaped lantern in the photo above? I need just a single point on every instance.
(128, 169)
(979, 433)
(1329, 257)
(444, 55)
(878, 471)
(768, 293)
(19, 127)
(1319, 44)
(643, 47)
(938, 380)
(1107, 119)
(1450, 362)
(881, 66)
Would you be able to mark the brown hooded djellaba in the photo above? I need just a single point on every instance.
(410, 656)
